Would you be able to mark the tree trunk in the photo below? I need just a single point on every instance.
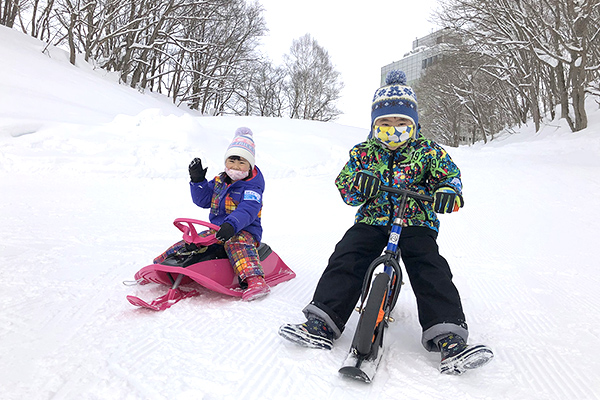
(71, 38)
(8, 16)
(578, 63)
(563, 94)
(578, 96)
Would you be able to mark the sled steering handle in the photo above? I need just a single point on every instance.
(190, 235)
(408, 193)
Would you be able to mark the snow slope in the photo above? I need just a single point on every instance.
(92, 174)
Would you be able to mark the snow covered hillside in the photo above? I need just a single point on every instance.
(92, 174)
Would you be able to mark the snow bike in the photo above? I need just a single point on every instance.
(202, 260)
(379, 296)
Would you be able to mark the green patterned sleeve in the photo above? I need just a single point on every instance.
(345, 180)
(444, 172)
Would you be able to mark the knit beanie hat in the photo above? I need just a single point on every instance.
(395, 99)
(242, 146)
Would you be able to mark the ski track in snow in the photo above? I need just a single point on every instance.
(122, 351)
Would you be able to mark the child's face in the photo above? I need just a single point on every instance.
(237, 163)
(393, 121)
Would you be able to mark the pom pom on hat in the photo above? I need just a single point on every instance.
(242, 145)
(395, 77)
(243, 131)
(395, 99)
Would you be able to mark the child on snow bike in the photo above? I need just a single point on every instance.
(395, 155)
(235, 201)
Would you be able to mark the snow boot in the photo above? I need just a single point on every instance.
(257, 287)
(313, 333)
(458, 357)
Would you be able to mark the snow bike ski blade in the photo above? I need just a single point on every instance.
(360, 367)
(473, 357)
(163, 302)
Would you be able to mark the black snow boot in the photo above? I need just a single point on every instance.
(313, 333)
(458, 357)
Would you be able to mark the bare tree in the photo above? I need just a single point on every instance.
(201, 53)
(9, 10)
(261, 92)
(229, 30)
(314, 85)
(543, 48)
(32, 16)
(459, 101)
(269, 91)
(69, 15)
(41, 24)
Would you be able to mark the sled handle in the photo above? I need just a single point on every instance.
(190, 235)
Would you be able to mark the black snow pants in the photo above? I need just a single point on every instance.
(340, 286)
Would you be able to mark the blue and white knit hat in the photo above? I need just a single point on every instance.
(395, 99)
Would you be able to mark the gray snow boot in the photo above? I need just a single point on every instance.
(458, 357)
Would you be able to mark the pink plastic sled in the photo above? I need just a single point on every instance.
(213, 274)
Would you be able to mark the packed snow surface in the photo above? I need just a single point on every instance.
(93, 173)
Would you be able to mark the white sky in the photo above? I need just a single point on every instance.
(360, 40)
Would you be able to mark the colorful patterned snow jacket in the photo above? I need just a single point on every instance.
(420, 165)
(238, 203)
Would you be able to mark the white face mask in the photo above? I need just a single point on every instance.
(236, 175)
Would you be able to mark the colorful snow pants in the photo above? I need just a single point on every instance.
(339, 288)
(241, 250)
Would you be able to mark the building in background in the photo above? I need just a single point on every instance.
(426, 51)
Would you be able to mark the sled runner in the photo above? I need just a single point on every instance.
(204, 262)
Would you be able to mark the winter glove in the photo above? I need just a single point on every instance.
(446, 200)
(197, 174)
(225, 233)
(366, 183)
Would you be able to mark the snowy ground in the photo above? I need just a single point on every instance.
(92, 175)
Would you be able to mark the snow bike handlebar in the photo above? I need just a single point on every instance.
(190, 235)
(408, 193)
